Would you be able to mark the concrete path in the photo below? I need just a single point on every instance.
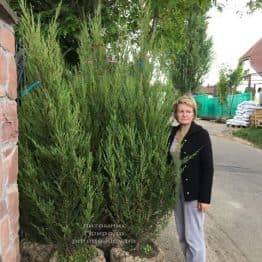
(233, 225)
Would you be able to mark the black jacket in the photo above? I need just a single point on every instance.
(197, 172)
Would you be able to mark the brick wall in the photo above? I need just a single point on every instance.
(9, 203)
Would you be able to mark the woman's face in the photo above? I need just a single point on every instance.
(185, 114)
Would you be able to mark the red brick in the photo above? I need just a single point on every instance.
(8, 110)
(13, 201)
(10, 255)
(3, 68)
(8, 122)
(1, 184)
(12, 80)
(9, 131)
(3, 209)
(12, 164)
(4, 234)
(14, 227)
(3, 175)
(1, 178)
(7, 39)
(2, 91)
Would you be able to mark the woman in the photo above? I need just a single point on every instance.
(191, 143)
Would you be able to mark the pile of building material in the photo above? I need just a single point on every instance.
(243, 114)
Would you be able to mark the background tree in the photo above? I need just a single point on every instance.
(254, 5)
(117, 15)
(188, 51)
(72, 12)
(229, 80)
(235, 77)
(222, 86)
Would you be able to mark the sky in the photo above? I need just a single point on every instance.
(233, 32)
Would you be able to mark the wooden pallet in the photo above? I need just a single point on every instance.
(258, 123)
(256, 118)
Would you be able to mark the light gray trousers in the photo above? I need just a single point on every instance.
(190, 228)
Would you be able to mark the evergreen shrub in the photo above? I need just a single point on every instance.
(60, 191)
(93, 140)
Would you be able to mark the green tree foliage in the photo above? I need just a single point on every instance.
(117, 15)
(129, 124)
(93, 139)
(71, 13)
(254, 5)
(235, 77)
(222, 86)
(228, 81)
(60, 192)
(188, 50)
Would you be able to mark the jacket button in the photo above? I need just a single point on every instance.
(186, 179)
(187, 193)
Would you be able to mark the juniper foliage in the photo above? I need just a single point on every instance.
(94, 139)
(60, 192)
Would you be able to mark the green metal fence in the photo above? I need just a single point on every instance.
(210, 107)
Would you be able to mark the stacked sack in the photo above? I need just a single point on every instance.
(243, 113)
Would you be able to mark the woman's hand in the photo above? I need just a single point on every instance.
(203, 207)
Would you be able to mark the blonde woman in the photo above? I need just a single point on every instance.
(190, 140)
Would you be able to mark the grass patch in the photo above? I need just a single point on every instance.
(81, 254)
(144, 249)
(252, 134)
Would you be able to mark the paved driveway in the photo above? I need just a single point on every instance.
(234, 222)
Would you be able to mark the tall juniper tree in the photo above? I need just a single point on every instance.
(60, 193)
(188, 59)
(93, 139)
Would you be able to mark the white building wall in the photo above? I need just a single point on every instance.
(256, 80)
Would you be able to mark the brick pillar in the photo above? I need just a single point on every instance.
(9, 203)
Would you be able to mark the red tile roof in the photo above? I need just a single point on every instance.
(254, 55)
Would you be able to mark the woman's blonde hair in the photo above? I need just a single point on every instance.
(186, 100)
